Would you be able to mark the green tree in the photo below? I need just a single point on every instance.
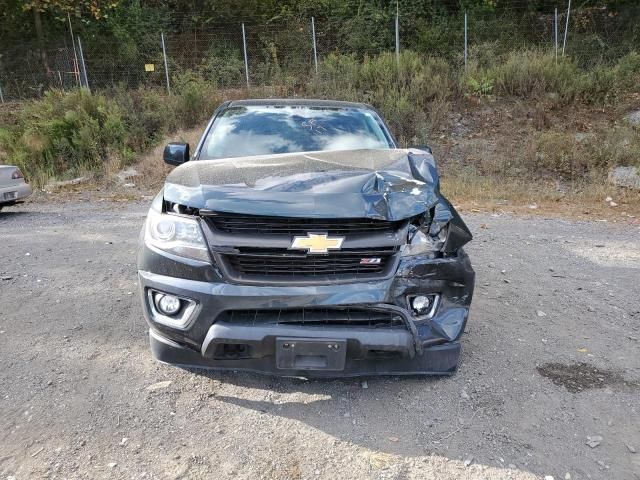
(62, 8)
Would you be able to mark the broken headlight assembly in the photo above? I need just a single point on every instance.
(437, 233)
(176, 234)
(423, 240)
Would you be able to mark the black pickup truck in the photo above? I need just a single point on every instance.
(299, 240)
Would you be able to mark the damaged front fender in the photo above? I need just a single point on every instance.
(451, 278)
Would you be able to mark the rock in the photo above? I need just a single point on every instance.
(112, 465)
(608, 199)
(628, 177)
(594, 441)
(129, 185)
(126, 174)
(394, 439)
(464, 395)
(159, 385)
(533, 206)
(468, 461)
(548, 477)
(613, 204)
(7, 278)
(124, 441)
(631, 448)
(540, 313)
(365, 384)
(633, 118)
(567, 476)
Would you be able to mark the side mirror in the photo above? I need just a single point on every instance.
(176, 153)
(426, 148)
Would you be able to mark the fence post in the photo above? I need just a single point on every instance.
(246, 61)
(1, 95)
(465, 40)
(566, 28)
(315, 51)
(397, 34)
(76, 67)
(555, 33)
(84, 66)
(166, 64)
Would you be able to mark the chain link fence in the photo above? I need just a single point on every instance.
(251, 55)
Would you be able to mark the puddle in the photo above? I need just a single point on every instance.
(581, 376)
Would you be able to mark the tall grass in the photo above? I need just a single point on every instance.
(412, 93)
(533, 74)
(72, 133)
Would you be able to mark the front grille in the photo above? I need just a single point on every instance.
(274, 262)
(253, 224)
(315, 316)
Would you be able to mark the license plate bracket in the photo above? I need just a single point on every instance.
(10, 195)
(310, 354)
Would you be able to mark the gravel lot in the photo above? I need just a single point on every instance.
(549, 382)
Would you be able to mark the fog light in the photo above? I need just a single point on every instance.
(167, 304)
(424, 306)
(421, 304)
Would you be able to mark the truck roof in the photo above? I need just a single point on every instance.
(303, 102)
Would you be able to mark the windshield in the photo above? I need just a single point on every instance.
(261, 130)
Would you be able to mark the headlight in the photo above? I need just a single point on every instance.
(175, 234)
(421, 241)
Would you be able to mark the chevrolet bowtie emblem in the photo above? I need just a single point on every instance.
(317, 243)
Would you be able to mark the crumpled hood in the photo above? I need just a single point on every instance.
(380, 184)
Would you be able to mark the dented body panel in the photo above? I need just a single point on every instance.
(261, 305)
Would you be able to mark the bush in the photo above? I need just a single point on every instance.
(71, 133)
(223, 66)
(535, 74)
(576, 157)
(195, 100)
(65, 132)
(148, 114)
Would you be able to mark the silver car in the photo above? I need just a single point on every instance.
(13, 188)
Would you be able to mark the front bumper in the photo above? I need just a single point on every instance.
(428, 346)
(436, 360)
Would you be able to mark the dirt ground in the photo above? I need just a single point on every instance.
(548, 385)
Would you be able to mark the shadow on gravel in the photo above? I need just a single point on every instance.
(301, 384)
(7, 214)
(361, 410)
